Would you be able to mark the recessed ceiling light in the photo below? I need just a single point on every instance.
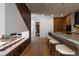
(61, 15)
(52, 15)
(42, 15)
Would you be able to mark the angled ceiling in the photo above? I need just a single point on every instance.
(56, 9)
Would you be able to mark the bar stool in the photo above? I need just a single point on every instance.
(48, 38)
(52, 43)
(64, 50)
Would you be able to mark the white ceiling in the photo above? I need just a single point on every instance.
(56, 9)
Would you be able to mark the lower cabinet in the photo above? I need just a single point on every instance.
(18, 50)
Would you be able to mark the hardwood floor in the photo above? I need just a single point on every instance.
(37, 47)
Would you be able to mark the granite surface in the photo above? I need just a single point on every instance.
(72, 37)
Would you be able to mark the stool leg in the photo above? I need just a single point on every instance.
(52, 49)
(56, 53)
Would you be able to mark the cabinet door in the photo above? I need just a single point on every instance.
(13, 53)
(18, 50)
(21, 48)
(77, 18)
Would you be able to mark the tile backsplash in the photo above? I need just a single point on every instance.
(76, 30)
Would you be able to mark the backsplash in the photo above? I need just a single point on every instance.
(76, 30)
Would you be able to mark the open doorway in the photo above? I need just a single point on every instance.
(37, 26)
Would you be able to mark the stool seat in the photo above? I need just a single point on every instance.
(49, 37)
(63, 49)
(53, 41)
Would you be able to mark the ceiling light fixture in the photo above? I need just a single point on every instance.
(52, 15)
(61, 15)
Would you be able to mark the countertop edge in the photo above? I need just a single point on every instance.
(8, 50)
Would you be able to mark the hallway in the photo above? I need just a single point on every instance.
(37, 47)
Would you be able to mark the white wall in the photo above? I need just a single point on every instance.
(25, 34)
(2, 18)
(32, 28)
(46, 23)
(34, 18)
(13, 20)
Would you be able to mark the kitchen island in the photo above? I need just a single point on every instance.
(16, 48)
(69, 39)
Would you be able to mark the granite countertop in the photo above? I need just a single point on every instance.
(5, 43)
(73, 37)
(15, 43)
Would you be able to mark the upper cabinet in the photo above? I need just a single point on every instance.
(77, 18)
(76, 21)
(59, 24)
(62, 24)
(68, 20)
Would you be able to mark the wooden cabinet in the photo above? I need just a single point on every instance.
(59, 24)
(18, 50)
(68, 20)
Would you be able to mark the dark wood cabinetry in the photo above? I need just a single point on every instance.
(59, 24)
(62, 24)
(18, 50)
(77, 18)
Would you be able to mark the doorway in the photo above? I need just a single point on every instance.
(37, 25)
(35, 29)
